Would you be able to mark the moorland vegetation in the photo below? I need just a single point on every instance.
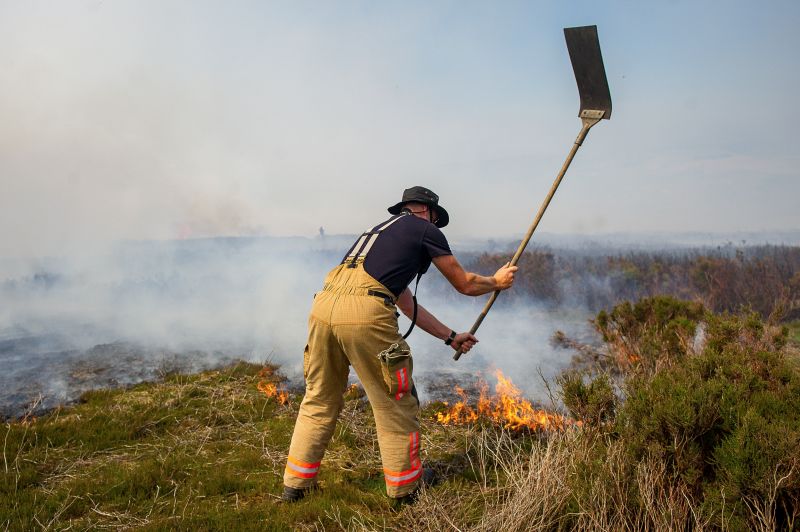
(765, 279)
(689, 418)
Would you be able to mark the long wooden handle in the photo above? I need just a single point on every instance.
(588, 122)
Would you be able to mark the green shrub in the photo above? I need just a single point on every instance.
(724, 421)
(651, 331)
(592, 401)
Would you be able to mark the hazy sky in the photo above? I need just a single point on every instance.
(167, 119)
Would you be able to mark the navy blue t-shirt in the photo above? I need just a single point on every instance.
(402, 250)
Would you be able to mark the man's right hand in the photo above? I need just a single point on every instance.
(504, 277)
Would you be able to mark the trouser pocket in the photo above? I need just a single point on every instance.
(396, 366)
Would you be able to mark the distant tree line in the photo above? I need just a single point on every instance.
(765, 279)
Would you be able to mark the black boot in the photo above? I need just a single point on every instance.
(293, 494)
(428, 480)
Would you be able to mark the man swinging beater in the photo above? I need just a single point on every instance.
(353, 321)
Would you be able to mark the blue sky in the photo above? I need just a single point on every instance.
(145, 119)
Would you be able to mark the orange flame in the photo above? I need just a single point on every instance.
(507, 407)
(270, 389)
(353, 392)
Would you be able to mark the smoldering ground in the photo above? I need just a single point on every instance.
(137, 310)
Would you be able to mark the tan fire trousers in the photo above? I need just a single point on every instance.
(347, 326)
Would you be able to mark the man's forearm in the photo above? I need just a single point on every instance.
(477, 285)
(429, 323)
(472, 284)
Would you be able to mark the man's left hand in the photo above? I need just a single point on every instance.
(464, 342)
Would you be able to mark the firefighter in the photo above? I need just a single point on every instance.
(353, 322)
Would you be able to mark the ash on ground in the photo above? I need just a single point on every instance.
(42, 372)
(443, 387)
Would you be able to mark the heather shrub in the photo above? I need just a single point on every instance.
(651, 331)
(592, 401)
(721, 416)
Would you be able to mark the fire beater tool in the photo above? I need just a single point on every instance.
(590, 74)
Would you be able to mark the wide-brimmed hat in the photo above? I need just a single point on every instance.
(426, 196)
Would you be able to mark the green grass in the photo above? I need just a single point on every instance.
(794, 332)
(199, 452)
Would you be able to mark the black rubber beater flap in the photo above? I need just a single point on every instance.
(587, 63)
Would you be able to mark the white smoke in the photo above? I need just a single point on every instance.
(122, 315)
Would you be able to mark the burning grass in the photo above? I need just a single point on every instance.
(271, 385)
(506, 408)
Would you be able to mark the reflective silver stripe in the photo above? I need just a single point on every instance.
(388, 223)
(371, 239)
(402, 383)
(301, 469)
(357, 246)
(369, 245)
(408, 476)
